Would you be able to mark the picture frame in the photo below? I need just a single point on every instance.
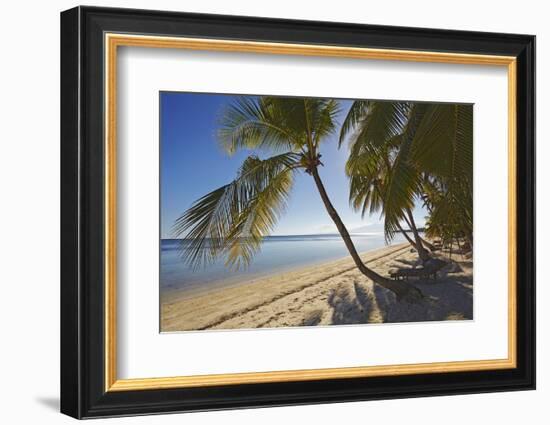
(90, 40)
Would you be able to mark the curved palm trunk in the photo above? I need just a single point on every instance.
(424, 241)
(413, 243)
(400, 289)
(422, 253)
(427, 244)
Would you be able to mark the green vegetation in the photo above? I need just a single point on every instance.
(400, 152)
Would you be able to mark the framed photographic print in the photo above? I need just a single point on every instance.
(261, 212)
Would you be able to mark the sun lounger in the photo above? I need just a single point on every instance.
(428, 271)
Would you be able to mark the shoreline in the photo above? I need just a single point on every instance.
(189, 293)
(333, 292)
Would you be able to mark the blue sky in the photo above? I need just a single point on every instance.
(192, 164)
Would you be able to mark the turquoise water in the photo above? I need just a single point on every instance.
(278, 254)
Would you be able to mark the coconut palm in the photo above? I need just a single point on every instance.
(367, 191)
(367, 173)
(413, 151)
(232, 220)
(377, 149)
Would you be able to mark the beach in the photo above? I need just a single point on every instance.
(331, 293)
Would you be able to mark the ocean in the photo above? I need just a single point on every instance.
(278, 254)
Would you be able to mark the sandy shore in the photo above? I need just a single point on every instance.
(333, 293)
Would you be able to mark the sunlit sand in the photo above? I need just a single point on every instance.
(332, 293)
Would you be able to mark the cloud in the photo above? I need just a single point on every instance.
(327, 228)
(366, 227)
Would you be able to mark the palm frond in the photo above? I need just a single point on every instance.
(444, 140)
(401, 152)
(276, 123)
(443, 147)
(322, 114)
(403, 181)
(356, 112)
(383, 121)
(232, 220)
(250, 122)
(366, 172)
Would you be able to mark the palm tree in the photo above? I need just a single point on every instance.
(413, 151)
(233, 219)
(367, 173)
(375, 150)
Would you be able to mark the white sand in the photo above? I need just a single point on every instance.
(328, 294)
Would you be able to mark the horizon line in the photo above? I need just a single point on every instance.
(301, 234)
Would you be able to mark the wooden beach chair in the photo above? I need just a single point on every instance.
(428, 271)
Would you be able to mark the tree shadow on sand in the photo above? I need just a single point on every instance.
(352, 305)
(449, 297)
(313, 318)
(399, 262)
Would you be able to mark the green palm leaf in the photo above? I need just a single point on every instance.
(443, 147)
(276, 123)
(397, 148)
(383, 120)
(249, 123)
(443, 144)
(403, 181)
(233, 219)
(355, 114)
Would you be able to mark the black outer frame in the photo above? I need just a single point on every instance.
(82, 206)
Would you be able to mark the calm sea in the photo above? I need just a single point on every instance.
(278, 253)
